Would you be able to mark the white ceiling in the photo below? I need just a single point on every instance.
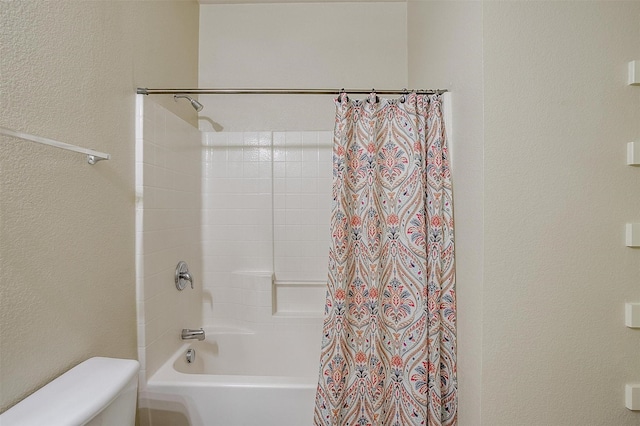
(293, 1)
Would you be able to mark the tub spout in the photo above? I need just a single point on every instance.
(188, 334)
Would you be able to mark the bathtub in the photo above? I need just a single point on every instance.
(238, 378)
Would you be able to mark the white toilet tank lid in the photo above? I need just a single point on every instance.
(75, 397)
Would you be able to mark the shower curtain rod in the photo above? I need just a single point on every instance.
(145, 91)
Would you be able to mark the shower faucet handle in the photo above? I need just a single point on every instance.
(187, 277)
(183, 275)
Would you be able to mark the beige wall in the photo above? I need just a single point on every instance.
(69, 72)
(541, 118)
(542, 113)
(313, 45)
(558, 115)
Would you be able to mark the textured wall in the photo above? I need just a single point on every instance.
(68, 72)
(542, 113)
(314, 45)
(558, 115)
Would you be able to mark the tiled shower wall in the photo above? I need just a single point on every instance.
(248, 211)
(266, 207)
(168, 207)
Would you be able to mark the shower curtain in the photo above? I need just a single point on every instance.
(389, 343)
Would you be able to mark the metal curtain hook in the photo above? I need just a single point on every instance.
(373, 97)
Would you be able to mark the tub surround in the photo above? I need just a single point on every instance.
(249, 213)
(266, 208)
(168, 206)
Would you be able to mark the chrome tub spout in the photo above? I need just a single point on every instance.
(188, 334)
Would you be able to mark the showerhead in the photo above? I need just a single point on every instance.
(195, 104)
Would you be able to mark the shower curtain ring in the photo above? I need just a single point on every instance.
(343, 92)
(373, 97)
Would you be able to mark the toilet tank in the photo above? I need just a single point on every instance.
(99, 391)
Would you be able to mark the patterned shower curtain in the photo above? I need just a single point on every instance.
(389, 343)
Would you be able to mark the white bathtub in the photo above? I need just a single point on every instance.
(239, 378)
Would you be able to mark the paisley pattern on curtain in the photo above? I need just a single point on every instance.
(389, 343)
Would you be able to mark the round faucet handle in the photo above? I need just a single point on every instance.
(182, 275)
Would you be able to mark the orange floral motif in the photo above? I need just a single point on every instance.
(373, 293)
(396, 361)
(435, 222)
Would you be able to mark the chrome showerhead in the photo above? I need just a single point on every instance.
(195, 104)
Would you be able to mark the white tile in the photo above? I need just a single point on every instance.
(312, 215)
(293, 199)
(279, 185)
(279, 215)
(216, 154)
(279, 153)
(279, 169)
(250, 139)
(279, 138)
(234, 186)
(250, 186)
(235, 138)
(294, 216)
(235, 154)
(310, 139)
(324, 185)
(251, 170)
(265, 154)
(293, 169)
(265, 186)
(265, 170)
(293, 185)
(309, 169)
(309, 185)
(235, 169)
(292, 232)
(250, 182)
(325, 154)
(218, 139)
(251, 153)
(216, 170)
(325, 138)
(265, 139)
(293, 154)
(293, 139)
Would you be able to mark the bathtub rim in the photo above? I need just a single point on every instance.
(167, 375)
